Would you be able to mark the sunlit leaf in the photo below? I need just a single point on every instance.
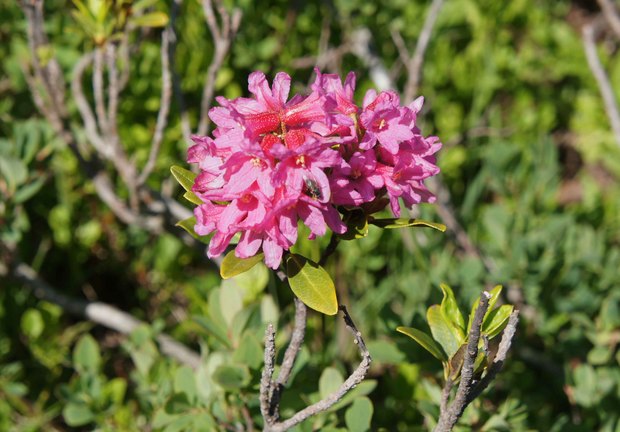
(192, 197)
(442, 330)
(184, 176)
(77, 414)
(496, 320)
(232, 376)
(450, 309)
(312, 284)
(495, 292)
(426, 341)
(233, 265)
(359, 415)
(152, 19)
(86, 356)
(394, 223)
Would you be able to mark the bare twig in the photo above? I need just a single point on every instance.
(113, 90)
(297, 338)
(449, 417)
(266, 383)
(164, 104)
(589, 32)
(361, 46)
(102, 116)
(223, 36)
(414, 66)
(99, 313)
(500, 357)
(354, 379)
(611, 15)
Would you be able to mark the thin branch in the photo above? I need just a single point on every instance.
(353, 380)
(361, 46)
(266, 383)
(589, 32)
(414, 66)
(222, 38)
(113, 90)
(297, 338)
(500, 357)
(102, 116)
(99, 313)
(449, 417)
(164, 104)
(611, 15)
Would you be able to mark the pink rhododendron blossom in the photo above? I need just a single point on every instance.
(273, 162)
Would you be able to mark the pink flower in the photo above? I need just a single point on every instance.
(273, 161)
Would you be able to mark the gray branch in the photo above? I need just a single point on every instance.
(353, 380)
(98, 312)
(414, 66)
(589, 32)
(469, 388)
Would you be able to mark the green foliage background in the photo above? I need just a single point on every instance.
(529, 160)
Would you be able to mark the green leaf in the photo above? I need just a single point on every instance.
(86, 356)
(385, 351)
(359, 415)
(233, 266)
(427, 342)
(394, 223)
(77, 414)
(29, 190)
(249, 352)
(362, 389)
(450, 309)
(185, 177)
(495, 292)
(311, 284)
(232, 376)
(496, 320)
(456, 362)
(32, 323)
(192, 197)
(442, 330)
(188, 225)
(331, 379)
(153, 19)
(185, 383)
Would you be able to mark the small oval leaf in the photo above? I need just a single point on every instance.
(394, 223)
(442, 330)
(450, 308)
(153, 19)
(427, 342)
(312, 284)
(495, 321)
(233, 265)
(192, 197)
(184, 176)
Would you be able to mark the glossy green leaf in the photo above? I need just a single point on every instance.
(184, 176)
(232, 376)
(426, 341)
(153, 19)
(450, 309)
(86, 356)
(233, 266)
(77, 414)
(394, 223)
(192, 197)
(442, 330)
(496, 320)
(311, 284)
(358, 415)
(188, 225)
(495, 292)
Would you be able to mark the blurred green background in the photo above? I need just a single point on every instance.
(530, 163)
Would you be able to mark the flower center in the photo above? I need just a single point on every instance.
(300, 161)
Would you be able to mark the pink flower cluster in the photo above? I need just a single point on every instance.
(273, 161)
